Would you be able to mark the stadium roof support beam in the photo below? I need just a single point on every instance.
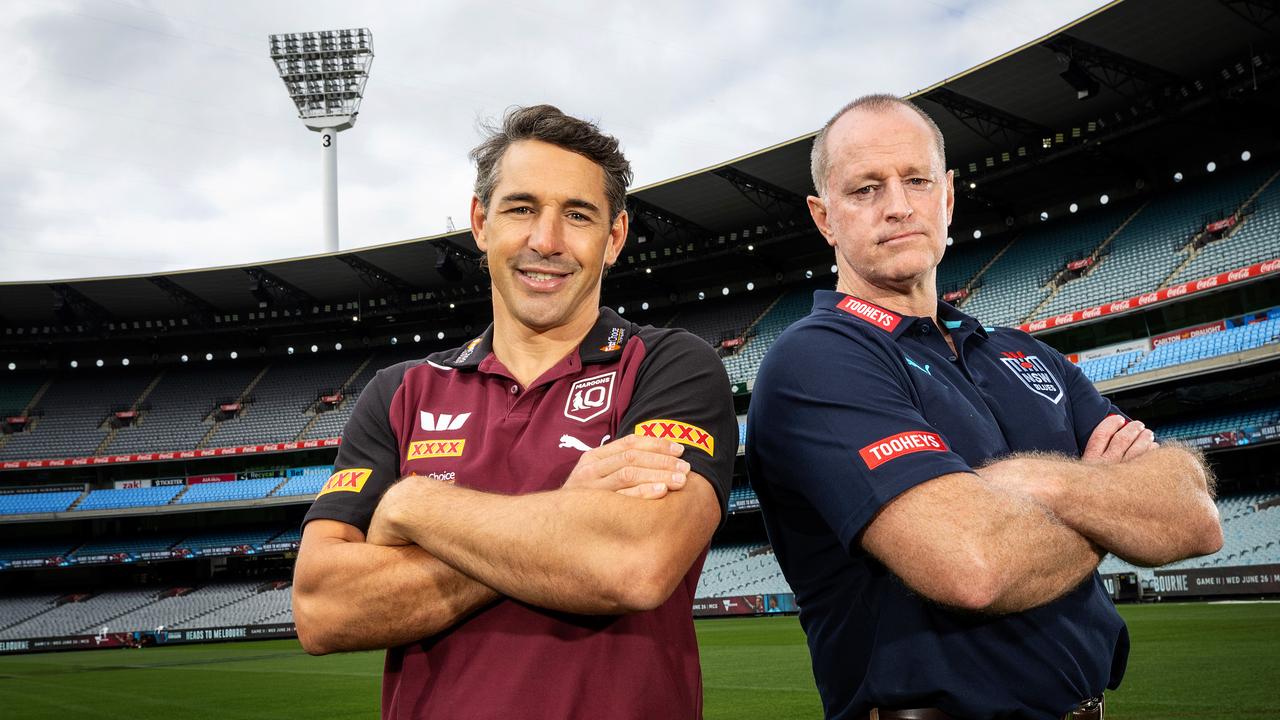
(996, 126)
(663, 223)
(1131, 79)
(784, 206)
(269, 289)
(1262, 14)
(374, 276)
(72, 306)
(203, 309)
(455, 262)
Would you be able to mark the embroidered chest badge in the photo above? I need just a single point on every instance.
(590, 397)
(1035, 374)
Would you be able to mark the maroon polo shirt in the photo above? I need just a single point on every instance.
(459, 416)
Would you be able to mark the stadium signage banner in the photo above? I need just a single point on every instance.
(1193, 582)
(176, 455)
(147, 638)
(1118, 349)
(1187, 288)
(1188, 333)
(220, 477)
(744, 605)
(130, 484)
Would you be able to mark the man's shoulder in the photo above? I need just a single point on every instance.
(671, 343)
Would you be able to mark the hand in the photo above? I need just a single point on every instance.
(636, 466)
(1116, 439)
(382, 526)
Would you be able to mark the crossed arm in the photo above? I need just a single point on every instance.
(616, 538)
(1023, 531)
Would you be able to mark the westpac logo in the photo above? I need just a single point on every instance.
(442, 422)
(351, 480)
(426, 449)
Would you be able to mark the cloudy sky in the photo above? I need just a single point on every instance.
(141, 136)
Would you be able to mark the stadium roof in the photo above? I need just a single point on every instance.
(1168, 77)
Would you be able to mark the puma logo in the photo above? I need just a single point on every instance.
(569, 441)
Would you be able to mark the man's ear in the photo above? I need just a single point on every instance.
(477, 223)
(818, 211)
(617, 238)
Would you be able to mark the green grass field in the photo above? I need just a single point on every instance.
(1188, 661)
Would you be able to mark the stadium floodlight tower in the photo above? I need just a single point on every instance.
(325, 73)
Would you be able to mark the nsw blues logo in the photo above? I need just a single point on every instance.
(1034, 373)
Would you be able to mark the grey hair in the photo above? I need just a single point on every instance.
(820, 160)
(548, 124)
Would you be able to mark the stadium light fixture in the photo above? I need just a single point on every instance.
(643, 306)
(1104, 199)
(1073, 207)
(417, 338)
(724, 291)
(1211, 166)
(1177, 177)
(394, 340)
(750, 286)
(337, 346)
(834, 269)
(75, 364)
(1245, 156)
(290, 350)
(977, 234)
(185, 358)
(750, 248)
(124, 362)
(325, 73)
(808, 274)
(100, 363)
(208, 356)
(234, 354)
(1044, 216)
(13, 366)
(702, 295)
(440, 335)
(648, 271)
(1080, 80)
(315, 348)
(622, 309)
(951, 241)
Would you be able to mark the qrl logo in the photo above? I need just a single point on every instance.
(590, 397)
(895, 446)
(683, 433)
(351, 480)
(426, 449)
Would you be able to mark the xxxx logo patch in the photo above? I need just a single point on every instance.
(350, 480)
(683, 433)
(426, 449)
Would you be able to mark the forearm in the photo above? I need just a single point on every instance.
(963, 541)
(583, 551)
(1150, 510)
(360, 596)
(1033, 555)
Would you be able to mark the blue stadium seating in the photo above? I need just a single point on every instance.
(229, 491)
(305, 481)
(129, 497)
(23, 503)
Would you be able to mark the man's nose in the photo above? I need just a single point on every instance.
(896, 204)
(547, 236)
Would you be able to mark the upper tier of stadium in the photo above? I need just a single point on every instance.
(1024, 142)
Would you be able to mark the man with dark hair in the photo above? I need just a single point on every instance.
(939, 493)
(522, 520)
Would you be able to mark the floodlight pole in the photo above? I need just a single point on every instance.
(325, 73)
(329, 159)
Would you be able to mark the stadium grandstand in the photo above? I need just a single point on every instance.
(162, 435)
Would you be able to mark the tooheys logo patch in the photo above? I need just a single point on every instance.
(426, 449)
(350, 480)
(683, 433)
(895, 446)
(879, 317)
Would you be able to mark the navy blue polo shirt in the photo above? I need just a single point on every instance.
(855, 404)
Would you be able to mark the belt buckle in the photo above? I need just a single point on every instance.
(1089, 708)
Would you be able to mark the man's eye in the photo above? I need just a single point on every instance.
(520, 210)
(866, 190)
(578, 216)
(920, 182)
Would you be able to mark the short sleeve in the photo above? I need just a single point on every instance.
(1088, 406)
(834, 421)
(368, 460)
(682, 394)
